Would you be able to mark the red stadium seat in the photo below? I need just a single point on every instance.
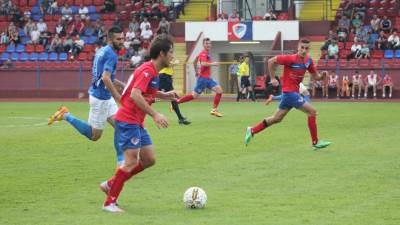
(331, 64)
(364, 63)
(349, 44)
(371, 12)
(2, 48)
(88, 48)
(374, 4)
(377, 54)
(32, 2)
(70, 2)
(48, 17)
(29, 48)
(82, 56)
(98, 2)
(353, 63)
(321, 63)
(376, 63)
(381, 12)
(87, 2)
(39, 48)
(343, 63)
(385, 4)
(340, 45)
(56, 18)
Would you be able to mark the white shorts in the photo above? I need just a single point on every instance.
(100, 110)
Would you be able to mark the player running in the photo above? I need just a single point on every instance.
(133, 139)
(203, 78)
(103, 93)
(295, 66)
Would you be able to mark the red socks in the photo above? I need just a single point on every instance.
(259, 127)
(312, 125)
(185, 98)
(139, 168)
(120, 178)
(217, 99)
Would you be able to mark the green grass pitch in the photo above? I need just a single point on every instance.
(50, 174)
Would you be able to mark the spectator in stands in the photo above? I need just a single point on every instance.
(386, 24)
(146, 34)
(16, 16)
(364, 52)
(11, 27)
(134, 25)
(53, 8)
(270, 15)
(372, 80)
(77, 47)
(375, 23)
(77, 26)
(101, 35)
(27, 15)
(6, 64)
(136, 59)
(117, 22)
(356, 22)
(387, 83)
(221, 17)
(328, 40)
(83, 11)
(155, 10)
(130, 35)
(145, 23)
(355, 50)
(361, 34)
(381, 42)
(44, 5)
(359, 9)
(163, 26)
(4, 40)
(29, 27)
(56, 44)
(357, 83)
(179, 7)
(60, 28)
(333, 51)
(35, 35)
(332, 83)
(66, 13)
(394, 41)
(14, 37)
(109, 6)
(348, 8)
(5, 7)
(45, 37)
(370, 40)
(343, 28)
(234, 17)
(41, 25)
(67, 43)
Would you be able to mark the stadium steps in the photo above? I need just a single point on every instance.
(179, 54)
(196, 10)
(312, 10)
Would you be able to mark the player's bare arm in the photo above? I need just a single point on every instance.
(209, 63)
(160, 120)
(110, 86)
(272, 64)
(196, 72)
(119, 84)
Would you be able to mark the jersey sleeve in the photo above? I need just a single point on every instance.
(143, 80)
(311, 68)
(283, 59)
(110, 64)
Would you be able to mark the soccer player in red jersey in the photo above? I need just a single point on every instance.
(203, 78)
(293, 73)
(140, 92)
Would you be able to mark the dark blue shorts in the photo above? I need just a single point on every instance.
(203, 83)
(131, 136)
(290, 100)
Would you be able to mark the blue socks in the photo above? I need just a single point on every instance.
(80, 125)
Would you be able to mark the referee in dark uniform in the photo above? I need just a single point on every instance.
(166, 85)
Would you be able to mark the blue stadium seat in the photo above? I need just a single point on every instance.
(44, 56)
(63, 56)
(53, 56)
(5, 56)
(88, 31)
(34, 56)
(85, 39)
(10, 48)
(388, 54)
(74, 9)
(36, 17)
(24, 56)
(92, 9)
(92, 40)
(21, 33)
(25, 40)
(20, 48)
(94, 17)
(35, 10)
(14, 56)
(397, 54)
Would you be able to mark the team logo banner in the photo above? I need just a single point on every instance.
(240, 31)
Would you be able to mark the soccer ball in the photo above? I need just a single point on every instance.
(195, 198)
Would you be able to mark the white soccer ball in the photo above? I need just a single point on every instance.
(195, 198)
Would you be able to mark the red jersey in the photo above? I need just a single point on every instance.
(145, 78)
(387, 80)
(204, 56)
(294, 70)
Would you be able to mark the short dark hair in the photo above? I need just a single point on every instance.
(206, 39)
(161, 43)
(114, 30)
(304, 41)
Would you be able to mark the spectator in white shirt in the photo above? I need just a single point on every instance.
(83, 11)
(130, 35)
(41, 26)
(146, 34)
(394, 41)
(35, 34)
(144, 24)
(355, 51)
